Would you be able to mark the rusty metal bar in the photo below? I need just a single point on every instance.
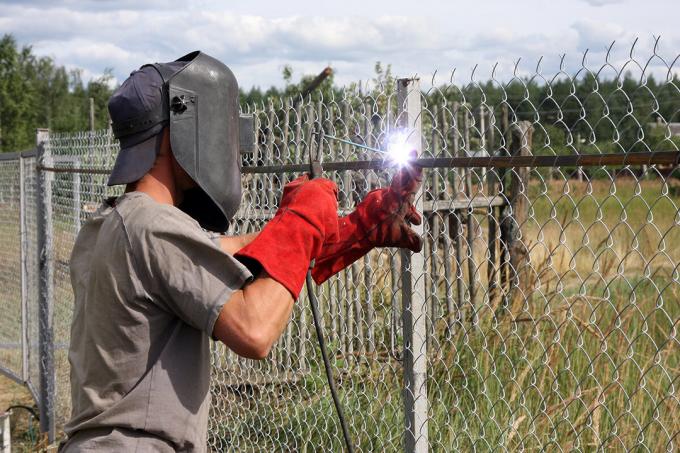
(581, 160)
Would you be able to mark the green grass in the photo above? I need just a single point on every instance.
(584, 357)
(559, 382)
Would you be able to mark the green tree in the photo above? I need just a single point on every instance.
(34, 92)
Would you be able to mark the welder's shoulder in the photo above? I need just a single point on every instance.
(142, 217)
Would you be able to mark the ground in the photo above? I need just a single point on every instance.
(24, 427)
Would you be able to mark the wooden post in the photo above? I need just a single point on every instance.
(579, 170)
(347, 176)
(455, 223)
(482, 135)
(502, 172)
(492, 219)
(284, 151)
(456, 231)
(358, 336)
(298, 131)
(470, 219)
(91, 114)
(446, 250)
(349, 317)
(432, 220)
(456, 147)
(515, 213)
(269, 157)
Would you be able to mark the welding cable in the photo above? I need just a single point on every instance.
(26, 408)
(326, 362)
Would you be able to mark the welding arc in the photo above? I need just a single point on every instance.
(326, 362)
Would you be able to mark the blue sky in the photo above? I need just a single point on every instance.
(257, 38)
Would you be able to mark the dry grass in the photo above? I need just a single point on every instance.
(584, 357)
(25, 437)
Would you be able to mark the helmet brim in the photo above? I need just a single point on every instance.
(135, 161)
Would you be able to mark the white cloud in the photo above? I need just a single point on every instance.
(95, 34)
(594, 33)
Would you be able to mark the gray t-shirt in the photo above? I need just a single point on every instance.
(149, 284)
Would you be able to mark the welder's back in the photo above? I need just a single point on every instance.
(149, 284)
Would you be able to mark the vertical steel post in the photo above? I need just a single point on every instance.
(413, 292)
(23, 237)
(77, 214)
(45, 289)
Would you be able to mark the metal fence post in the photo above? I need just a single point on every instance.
(23, 238)
(413, 292)
(77, 214)
(45, 289)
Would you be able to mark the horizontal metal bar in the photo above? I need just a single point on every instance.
(29, 385)
(13, 345)
(462, 203)
(581, 160)
(81, 170)
(11, 375)
(17, 154)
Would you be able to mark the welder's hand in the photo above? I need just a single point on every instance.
(306, 218)
(381, 220)
(385, 214)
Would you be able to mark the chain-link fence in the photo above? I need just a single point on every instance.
(541, 314)
(19, 354)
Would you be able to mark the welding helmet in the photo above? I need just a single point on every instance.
(197, 97)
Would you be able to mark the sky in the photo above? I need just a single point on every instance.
(425, 38)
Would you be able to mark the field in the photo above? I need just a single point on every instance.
(585, 357)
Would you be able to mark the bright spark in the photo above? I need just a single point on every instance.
(398, 148)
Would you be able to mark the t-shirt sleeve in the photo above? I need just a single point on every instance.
(186, 272)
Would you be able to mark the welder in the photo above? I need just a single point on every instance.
(154, 277)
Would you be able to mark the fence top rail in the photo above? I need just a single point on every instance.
(18, 154)
(582, 160)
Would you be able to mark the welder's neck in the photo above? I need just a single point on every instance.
(160, 182)
(157, 187)
(164, 181)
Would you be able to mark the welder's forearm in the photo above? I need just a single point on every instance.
(232, 244)
(254, 318)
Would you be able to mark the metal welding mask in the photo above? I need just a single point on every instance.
(203, 114)
(197, 97)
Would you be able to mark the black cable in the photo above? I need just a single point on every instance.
(326, 362)
(315, 171)
(26, 408)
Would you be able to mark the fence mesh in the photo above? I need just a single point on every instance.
(10, 277)
(549, 294)
(74, 195)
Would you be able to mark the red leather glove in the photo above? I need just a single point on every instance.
(380, 220)
(307, 216)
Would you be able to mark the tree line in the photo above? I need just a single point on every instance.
(36, 92)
